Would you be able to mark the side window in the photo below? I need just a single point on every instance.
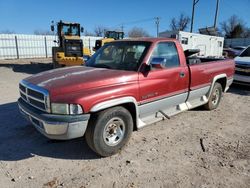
(184, 40)
(219, 44)
(168, 53)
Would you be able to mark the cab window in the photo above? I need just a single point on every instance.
(167, 52)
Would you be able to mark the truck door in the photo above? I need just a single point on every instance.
(165, 86)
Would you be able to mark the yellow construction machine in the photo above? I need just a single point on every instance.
(70, 49)
(109, 36)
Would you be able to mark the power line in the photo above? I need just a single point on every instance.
(135, 22)
(156, 19)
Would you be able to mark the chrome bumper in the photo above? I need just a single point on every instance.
(240, 79)
(58, 127)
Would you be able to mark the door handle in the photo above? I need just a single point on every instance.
(182, 74)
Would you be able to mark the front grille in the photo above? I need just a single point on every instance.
(242, 73)
(242, 70)
(22, 87)
(73, 48)
(23, 96)
(35, 96)
(40, 105)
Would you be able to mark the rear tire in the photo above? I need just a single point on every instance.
(215, 97)
(109, 130)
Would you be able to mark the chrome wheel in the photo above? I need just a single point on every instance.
(114, 131)
(215, 96)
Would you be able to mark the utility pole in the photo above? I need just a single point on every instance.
(192, 20)
(122, 27)
(157, 22)
(216, 13)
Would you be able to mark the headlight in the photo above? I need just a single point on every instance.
(75, 109)
(60, 108)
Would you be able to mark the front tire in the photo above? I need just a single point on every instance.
(109, 130)
(214, 99)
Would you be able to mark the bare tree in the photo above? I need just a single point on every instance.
(247, 33)
(136, 32)
(234, 27)
(87, 33)
(180, 24)
(7, 31)
(99, 31)
(42, 32)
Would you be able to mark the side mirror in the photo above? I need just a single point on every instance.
(158, 62)
(82, 29)
(52, 28)
(145, 68)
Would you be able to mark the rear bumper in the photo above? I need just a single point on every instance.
(240, 79)
(58, 127)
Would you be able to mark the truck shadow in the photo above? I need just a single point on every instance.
(32, 68)
(239, 89)
(19, 140)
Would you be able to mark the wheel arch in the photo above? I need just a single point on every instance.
(129, 103)
(223, 82)
(222, 79)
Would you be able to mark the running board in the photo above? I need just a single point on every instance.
(174, 110)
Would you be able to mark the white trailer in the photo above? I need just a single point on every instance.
(210, 46)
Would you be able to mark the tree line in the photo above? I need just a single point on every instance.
(234, 27)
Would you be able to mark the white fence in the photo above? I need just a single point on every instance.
(15, 46)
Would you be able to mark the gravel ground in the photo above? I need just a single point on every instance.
(166, 154)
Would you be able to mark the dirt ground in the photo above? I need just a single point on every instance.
(166, 154)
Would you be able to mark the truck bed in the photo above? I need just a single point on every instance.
(198, 60)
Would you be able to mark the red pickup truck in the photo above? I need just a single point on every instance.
(125, 86)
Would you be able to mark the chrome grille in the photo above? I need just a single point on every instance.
(242, 70)
(34, 95)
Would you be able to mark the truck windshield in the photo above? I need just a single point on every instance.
(71, 30)
(122, 55)
(245, 53)
(114, 35)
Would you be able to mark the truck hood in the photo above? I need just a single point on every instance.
(71, 79)
(242, 60)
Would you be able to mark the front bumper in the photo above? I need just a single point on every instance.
(58, 127)
(241, 79)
